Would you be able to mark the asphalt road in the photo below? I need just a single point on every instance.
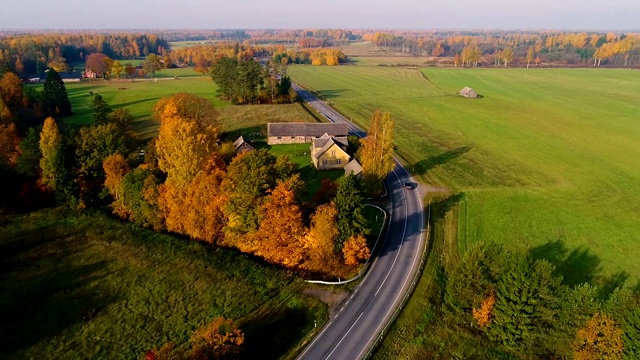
(353, 330)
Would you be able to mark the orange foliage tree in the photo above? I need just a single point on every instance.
(355, 250)
(115, 168)
(320, 240)
(279, 238)
(220, 339)
(9, 141)
(600, 338)
(484, 314)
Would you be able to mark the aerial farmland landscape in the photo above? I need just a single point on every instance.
(395, 180)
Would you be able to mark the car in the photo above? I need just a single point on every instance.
(408, 185)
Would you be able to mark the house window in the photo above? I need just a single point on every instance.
(338, 161)
(333, 153)
(324, 162)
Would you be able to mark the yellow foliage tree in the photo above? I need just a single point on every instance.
(50, 139)
(115, 168)
(484, 314)
(182, 146)
(355, 250)
(376, 153)
(599, 339)
(320, 240)
(220, 339)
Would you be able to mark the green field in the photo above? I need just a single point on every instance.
(547, 161)
(140, 96)
(87, 286)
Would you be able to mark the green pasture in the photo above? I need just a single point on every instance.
(141, 95)
(87, 286)
(548, 160)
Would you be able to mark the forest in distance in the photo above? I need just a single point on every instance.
(187, 191)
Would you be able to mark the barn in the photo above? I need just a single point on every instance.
(298, 133)
(469, 93)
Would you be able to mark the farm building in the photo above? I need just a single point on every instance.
(353, 168)
(70, 76)
(242, 146)
(469, 93)
(329, 152)
(299, 133)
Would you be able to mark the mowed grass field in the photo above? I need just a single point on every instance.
(141, 95)
(547, 161)
(87, 286)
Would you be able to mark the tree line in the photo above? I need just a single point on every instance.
(34, 53)
(502, 48)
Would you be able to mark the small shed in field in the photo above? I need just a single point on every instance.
(469, 93)
(241, 145)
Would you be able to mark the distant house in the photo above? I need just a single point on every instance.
(241, 146)
(89, 74)
(70, 76)
(353, 168)
(328, 152)
(299, 133)
(469, 93)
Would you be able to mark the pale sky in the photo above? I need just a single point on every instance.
(378, 14)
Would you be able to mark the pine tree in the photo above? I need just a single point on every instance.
(350, 205)
(101, 110)
(29, 159)
(55, 100)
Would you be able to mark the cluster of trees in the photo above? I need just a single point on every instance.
(189, 184)
(304, 37)
(501, 48)
(521, 307)
(245, 81)
(321, 56)
(34, 53)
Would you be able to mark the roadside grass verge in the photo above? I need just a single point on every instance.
(84, 285)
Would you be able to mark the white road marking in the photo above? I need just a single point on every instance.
(345, 335)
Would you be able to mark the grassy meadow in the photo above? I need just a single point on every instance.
(547, 161)
(141, 95)
(87, 286)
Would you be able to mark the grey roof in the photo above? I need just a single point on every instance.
(328, 143)
(353, 167)
(239, 141)
(307, 129)
(70, 75)
(319, 142)
(465, 91)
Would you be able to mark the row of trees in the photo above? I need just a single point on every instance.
(520, 306)
(34, 53)
(501, 48)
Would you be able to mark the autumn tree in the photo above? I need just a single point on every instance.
(280, 236)
(507, 56)
(530, 55)
(55, 100)
(188, 106)
(182, 144)
(152, 64)
(115, 167)
(376, 152)
(50, 139)
(97, 63)
(101, 110)
(350, 205)
(220, 339)
(320, 240)
(9, 140)
(29, 160)
(484, 313)
(5, 113)
(11, 90)
(600, 338)
(129, 69)
(117, 68)
(355, 250)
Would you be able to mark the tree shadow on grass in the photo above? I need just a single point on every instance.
(42, 292)
(578, 266)
(422, 166)
(330, 94)
(270, 333)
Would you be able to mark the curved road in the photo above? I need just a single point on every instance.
(352, 332)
